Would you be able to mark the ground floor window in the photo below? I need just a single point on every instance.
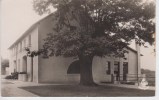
(125, 67)
(116, 67)
(125, 70)
(18, 65)
(108, 70)
(117, 70)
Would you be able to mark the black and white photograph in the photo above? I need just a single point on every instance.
(78, 48)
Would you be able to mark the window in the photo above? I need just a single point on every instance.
(12, 51)
(20, 46)
(29, 40)
(116, 67)
(125, 67)
(108, 71)
(125, 70)
(24, 42)
(18, 65)
(16, 49)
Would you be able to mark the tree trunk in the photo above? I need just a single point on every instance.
(86, 77)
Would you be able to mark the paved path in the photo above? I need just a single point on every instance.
(9, 88)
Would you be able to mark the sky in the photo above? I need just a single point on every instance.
(18, 15)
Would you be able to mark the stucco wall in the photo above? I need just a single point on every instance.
(100, 66)
(99, 70)
(53, 69)
(50, 68)
(132, 71)
(20, 54)
(34, 46)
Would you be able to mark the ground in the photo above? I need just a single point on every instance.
(14, 88)
(83, 91)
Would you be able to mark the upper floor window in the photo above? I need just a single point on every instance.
(24, 42)
(12, 51)
(29, 40)
(16, 49)
(20, 46)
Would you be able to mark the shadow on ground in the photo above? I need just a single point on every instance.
(83, 91)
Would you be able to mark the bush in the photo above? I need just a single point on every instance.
(9, 77)
(14, 75)
(22, 72)
(128, 83)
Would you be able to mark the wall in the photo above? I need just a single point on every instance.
(99, 70)
(53, 69)
(34, 43)
(132, 71)
(20, 54)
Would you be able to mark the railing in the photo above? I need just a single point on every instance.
(133, 78)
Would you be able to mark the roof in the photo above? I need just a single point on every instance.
(133, 50)
(28, 30)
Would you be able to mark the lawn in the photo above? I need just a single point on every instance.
(83, 91)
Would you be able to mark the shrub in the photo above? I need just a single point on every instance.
(128, 83)
(22, 72)
(14, 75)
(9, 77)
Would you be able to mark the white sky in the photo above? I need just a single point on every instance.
(18, 15)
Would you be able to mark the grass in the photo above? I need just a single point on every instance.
(83, 91)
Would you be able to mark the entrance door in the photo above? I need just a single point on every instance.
(125, 70)
(15, 66)
(24, 64)
(117, 70)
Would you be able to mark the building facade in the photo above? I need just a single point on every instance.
(60, 69)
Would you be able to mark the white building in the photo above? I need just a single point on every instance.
(56, 69)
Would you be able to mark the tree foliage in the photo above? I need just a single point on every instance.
(30, 53)
(97, 27)
(4, 63)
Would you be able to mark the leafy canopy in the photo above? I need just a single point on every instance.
(4, 63)
(97, 27)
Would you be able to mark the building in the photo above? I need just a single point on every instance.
(60, 69)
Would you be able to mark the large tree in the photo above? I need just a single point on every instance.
(86, 28)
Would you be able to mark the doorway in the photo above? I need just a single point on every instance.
(117, 70)
(125, 70)
(15, 66)
(24, 64)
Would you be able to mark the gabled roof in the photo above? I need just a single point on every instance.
(133, 50)
(28, 30)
